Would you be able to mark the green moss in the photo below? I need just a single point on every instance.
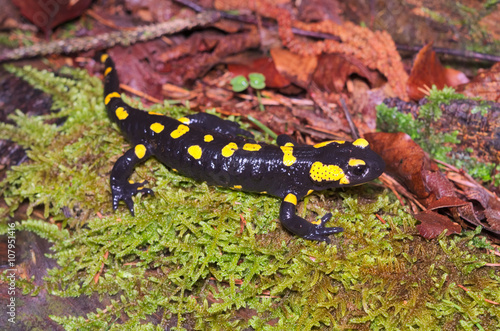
(218, 259)
(12, 39)
(438, 144)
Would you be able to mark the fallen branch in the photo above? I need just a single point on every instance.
(107, 40)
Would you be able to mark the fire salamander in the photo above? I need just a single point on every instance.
(207, 148)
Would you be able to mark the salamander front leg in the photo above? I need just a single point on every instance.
(301, 227)
(121, 187)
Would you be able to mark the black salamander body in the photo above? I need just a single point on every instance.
(207, 148)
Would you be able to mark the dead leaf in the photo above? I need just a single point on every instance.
(493, 219)
(333, 71)
(405, 160)
(433, 224)
(319, 10)
(47, 14)
(191, 59)
(446, 202)
(427, 71)
(297, 68)
(485, 85)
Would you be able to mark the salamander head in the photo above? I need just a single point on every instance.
(341, 163)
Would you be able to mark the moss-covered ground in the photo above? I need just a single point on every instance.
(216, 259)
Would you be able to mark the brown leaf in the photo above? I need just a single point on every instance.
(493, 218)
(485, 85)
(334, 69)
(446, 202)
(47, 14)
(297, 68)
(437, 183)
(191, 59)
(427, 71)
(433, 224)
(446, 193)
(405, 160)
(319, 10)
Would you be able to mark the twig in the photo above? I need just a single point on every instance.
(107, 40)
(354, 129)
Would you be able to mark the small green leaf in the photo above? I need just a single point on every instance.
(239, 83)
(257, 81)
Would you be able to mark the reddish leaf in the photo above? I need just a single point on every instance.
(405, 160)
(334, 69)
(264, 66)
(433, 224)
(437, 183)
(319, 10)
(485, 85)
(427, 71)
(493, 219)
(47, 14)
(446, 202)
(191, 59)
(298, 69)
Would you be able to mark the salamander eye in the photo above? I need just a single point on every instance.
(358, 170)
(357, 167)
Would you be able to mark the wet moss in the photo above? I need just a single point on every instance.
(213, 258)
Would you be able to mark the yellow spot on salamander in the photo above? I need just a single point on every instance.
(252, 147)
(181, 129)
(324, 143)
(195, 151)
(292, 198)
(356, 162)
(174, 170)
(263, 192)
(344, 180)
(229, 149)
(316, 222)
(157, 127)
(208, 138)
(237, 187)
(111, 96)
(320, 172)
(104, 57)
(360, 143)
(121, 113)
(154, 113)
(131, 181)
(140, 151)
(288, 158)
(309, 192)
(184, 120)
(107, 71)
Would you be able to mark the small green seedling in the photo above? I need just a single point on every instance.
(257, 82)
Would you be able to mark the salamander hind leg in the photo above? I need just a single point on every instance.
(121, 187)
(301, 227)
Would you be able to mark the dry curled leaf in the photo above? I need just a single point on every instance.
(47, 14)
(333, 71)
(405, 160)
(297, 68)
(427, 71)
(433, 224)
(485, 85)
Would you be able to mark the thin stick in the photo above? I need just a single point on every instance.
(107, 40)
